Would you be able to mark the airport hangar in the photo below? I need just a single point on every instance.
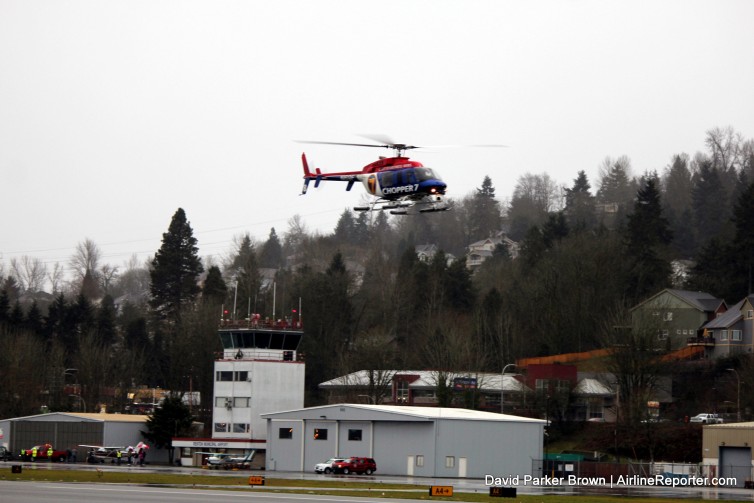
(403, 440)
(69, 430)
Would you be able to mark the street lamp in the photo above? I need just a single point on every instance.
(502, 387)
(738, 395)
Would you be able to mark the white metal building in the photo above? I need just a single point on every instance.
(403, 440)
(727, 450)
(68, 430)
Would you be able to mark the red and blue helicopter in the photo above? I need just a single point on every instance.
(397, 183)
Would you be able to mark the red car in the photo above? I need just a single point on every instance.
(42, 454)
(355, 465)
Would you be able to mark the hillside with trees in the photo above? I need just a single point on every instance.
(586, 251)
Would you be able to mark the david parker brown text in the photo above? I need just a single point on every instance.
(621, 480)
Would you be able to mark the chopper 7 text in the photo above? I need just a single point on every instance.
(397, 183)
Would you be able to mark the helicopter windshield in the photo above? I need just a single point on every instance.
(423, 174)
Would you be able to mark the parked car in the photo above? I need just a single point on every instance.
(355, 465)
(706, 418)
(327, 466)
(5, 454)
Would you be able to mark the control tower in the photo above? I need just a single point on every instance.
(259, 372)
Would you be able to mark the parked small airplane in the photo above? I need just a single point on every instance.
(100, 453)
(227, 461)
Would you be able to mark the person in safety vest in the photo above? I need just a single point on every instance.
(34, 454)
(49, 454)
(118, 454)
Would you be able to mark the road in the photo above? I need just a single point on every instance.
(11, 492)
(24, 492)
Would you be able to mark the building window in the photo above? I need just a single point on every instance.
(241, 428)
(223, 375)
(241, 375)
(735, 335)
(750, 314)
(562, 385)
(320, 433)
(723, 335)
(419, 460)
(450, 461)
(221, 427)
(220, 401)
(401, 391)
(669, 316)
(662, 335)
(354, 435)
(678, 332)
(685, 332)
(285, 433)
(241, 401)
(541, 384)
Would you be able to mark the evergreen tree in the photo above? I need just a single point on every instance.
(245, 268)
(214, 291)
(171, 419)
(271, 255)
(647, 239)
(484, 212)
(676, 195)
(4, 306)
(106, 321)
(16, 317)
(34, 322)
(711, 211)
(175, 269)
(344, 229)
(742, 247)
(579, 205)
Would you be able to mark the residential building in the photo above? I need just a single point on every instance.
(677, 315)
(730, 333)
(424, 388)
(480, 251)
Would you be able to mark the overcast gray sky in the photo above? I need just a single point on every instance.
(115, 113)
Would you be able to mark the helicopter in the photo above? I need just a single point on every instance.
(398, 184)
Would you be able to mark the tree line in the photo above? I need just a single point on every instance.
(369, 302)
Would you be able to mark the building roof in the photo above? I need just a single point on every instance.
(728, 318)
(397, 413)
(592, 387)
(90, 416)
(427, 379)
(702, 301)
(731, 426)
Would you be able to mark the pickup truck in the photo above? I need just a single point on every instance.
(57, 455)
(707, 419)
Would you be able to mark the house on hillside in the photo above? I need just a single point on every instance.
(480, 251)
(730, 333)
(678, 314)
(423, 388)
(427, 252)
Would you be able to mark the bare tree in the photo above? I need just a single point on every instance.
(55, 277)
(29, 273)
(85, 261)
(107, 274)
(726, 148)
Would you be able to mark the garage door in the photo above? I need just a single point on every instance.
(736, 462)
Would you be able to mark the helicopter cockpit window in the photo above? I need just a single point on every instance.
(423, 174)
(387, 179)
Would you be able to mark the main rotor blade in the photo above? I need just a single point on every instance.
(341, 143)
